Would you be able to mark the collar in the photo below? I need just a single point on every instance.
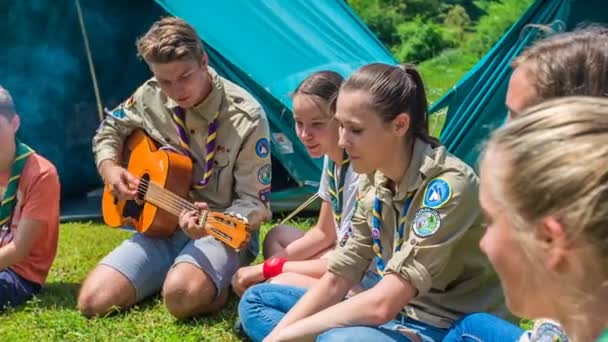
(421, 162)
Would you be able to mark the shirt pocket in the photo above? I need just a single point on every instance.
(221, 173)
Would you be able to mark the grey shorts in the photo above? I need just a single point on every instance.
(145, 261)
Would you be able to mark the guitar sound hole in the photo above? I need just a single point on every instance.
(133, 208)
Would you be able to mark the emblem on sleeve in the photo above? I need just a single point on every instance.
(549, 332)
(426, 222)
(119, 113)
(262, 148)
(264, 195)
(265, 174)
(437, 193)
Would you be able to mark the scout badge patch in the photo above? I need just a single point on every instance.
(426, 222)
(437, 193)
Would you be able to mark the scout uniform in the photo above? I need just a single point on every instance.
(338, 186)
(428, 232)
(227, 138)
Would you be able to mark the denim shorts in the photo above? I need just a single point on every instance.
(14, 289)
(145, 261)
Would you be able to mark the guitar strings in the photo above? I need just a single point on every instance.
(169, 201)
(170, 205)
(165, 195)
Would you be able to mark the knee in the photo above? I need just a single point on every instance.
(185, 297)
(249, 299)
(91, 303)
(272, 242)
(104, 290)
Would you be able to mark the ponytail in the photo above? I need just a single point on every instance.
(419, 114)
(394, 90)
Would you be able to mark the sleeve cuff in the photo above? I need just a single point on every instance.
(347, 264)
(404, 264)
(104, 155)
(255, 214)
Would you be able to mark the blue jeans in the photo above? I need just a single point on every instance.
(263, 306)
(14, 289)
(483, 327)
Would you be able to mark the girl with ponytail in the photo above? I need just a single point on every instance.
(417, 221)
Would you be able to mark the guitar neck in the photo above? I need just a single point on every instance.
(167, 200)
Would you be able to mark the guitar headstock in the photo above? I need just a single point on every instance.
(229, 229)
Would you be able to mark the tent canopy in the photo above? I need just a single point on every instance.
(266, 46)
(476, 104)
(269, 47)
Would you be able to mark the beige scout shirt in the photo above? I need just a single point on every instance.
(241, 176)
(447, 267)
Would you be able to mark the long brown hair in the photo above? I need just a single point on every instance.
(394, 90)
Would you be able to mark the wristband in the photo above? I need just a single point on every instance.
(273, 267)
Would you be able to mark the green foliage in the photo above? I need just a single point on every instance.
(420, 40)
(381, 16)
(500, 15)
(445, 38)
(457, 22)
(418, 30)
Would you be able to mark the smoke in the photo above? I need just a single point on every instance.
(43, 64)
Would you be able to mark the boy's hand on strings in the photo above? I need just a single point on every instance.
(121, 182)
(189, 221)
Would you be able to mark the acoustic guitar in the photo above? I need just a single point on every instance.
(164, 181)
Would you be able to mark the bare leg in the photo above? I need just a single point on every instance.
(103, 289)
(188, 291)
(279, 237)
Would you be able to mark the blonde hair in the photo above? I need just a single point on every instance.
(556, 164)
(170, 39)
(569, 64)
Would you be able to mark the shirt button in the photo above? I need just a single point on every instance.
(191, 131)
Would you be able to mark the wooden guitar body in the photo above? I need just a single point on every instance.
(164, 181)
(169, 170)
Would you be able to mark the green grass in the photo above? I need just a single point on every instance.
(440, 74)
(52, 315)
